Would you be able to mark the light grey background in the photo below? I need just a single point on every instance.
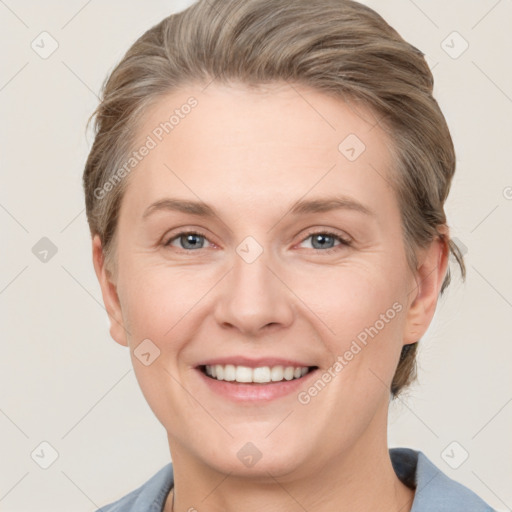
(65, 382)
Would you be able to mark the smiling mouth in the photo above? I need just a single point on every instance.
(258, 375)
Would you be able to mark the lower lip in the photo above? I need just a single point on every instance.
(254, 392)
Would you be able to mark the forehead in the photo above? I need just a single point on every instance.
(240, 143)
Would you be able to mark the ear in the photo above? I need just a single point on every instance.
(429, 276)
(109, 292)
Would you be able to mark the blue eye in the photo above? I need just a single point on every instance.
(188, 240)
(324, 240)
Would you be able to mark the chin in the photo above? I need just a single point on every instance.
(254, 456)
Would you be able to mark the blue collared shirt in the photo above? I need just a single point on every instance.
(435, 492)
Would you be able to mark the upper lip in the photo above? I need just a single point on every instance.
(253, 363)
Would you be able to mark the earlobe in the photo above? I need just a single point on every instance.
(109, 293)
(429, 278)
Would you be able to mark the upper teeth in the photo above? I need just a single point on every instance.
(261, 374)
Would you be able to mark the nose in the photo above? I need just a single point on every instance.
(253, 298)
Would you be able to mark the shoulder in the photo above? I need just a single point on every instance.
(435, 491)
(149, 497)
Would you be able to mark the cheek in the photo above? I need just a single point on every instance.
(343, 302)
(350, 298)
(363, 310)
(157, 299)
(158, 304)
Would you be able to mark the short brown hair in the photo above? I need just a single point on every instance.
(339, 47)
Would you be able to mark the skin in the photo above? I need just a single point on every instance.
(251, 155)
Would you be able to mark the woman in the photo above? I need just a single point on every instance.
(265, 195)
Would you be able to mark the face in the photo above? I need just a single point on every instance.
(259, 240)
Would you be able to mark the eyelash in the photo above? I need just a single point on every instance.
(343, 241)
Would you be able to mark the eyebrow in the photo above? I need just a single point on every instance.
(302, 207)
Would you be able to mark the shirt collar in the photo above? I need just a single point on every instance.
(434, 491)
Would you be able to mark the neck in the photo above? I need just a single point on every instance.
(358, 479)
